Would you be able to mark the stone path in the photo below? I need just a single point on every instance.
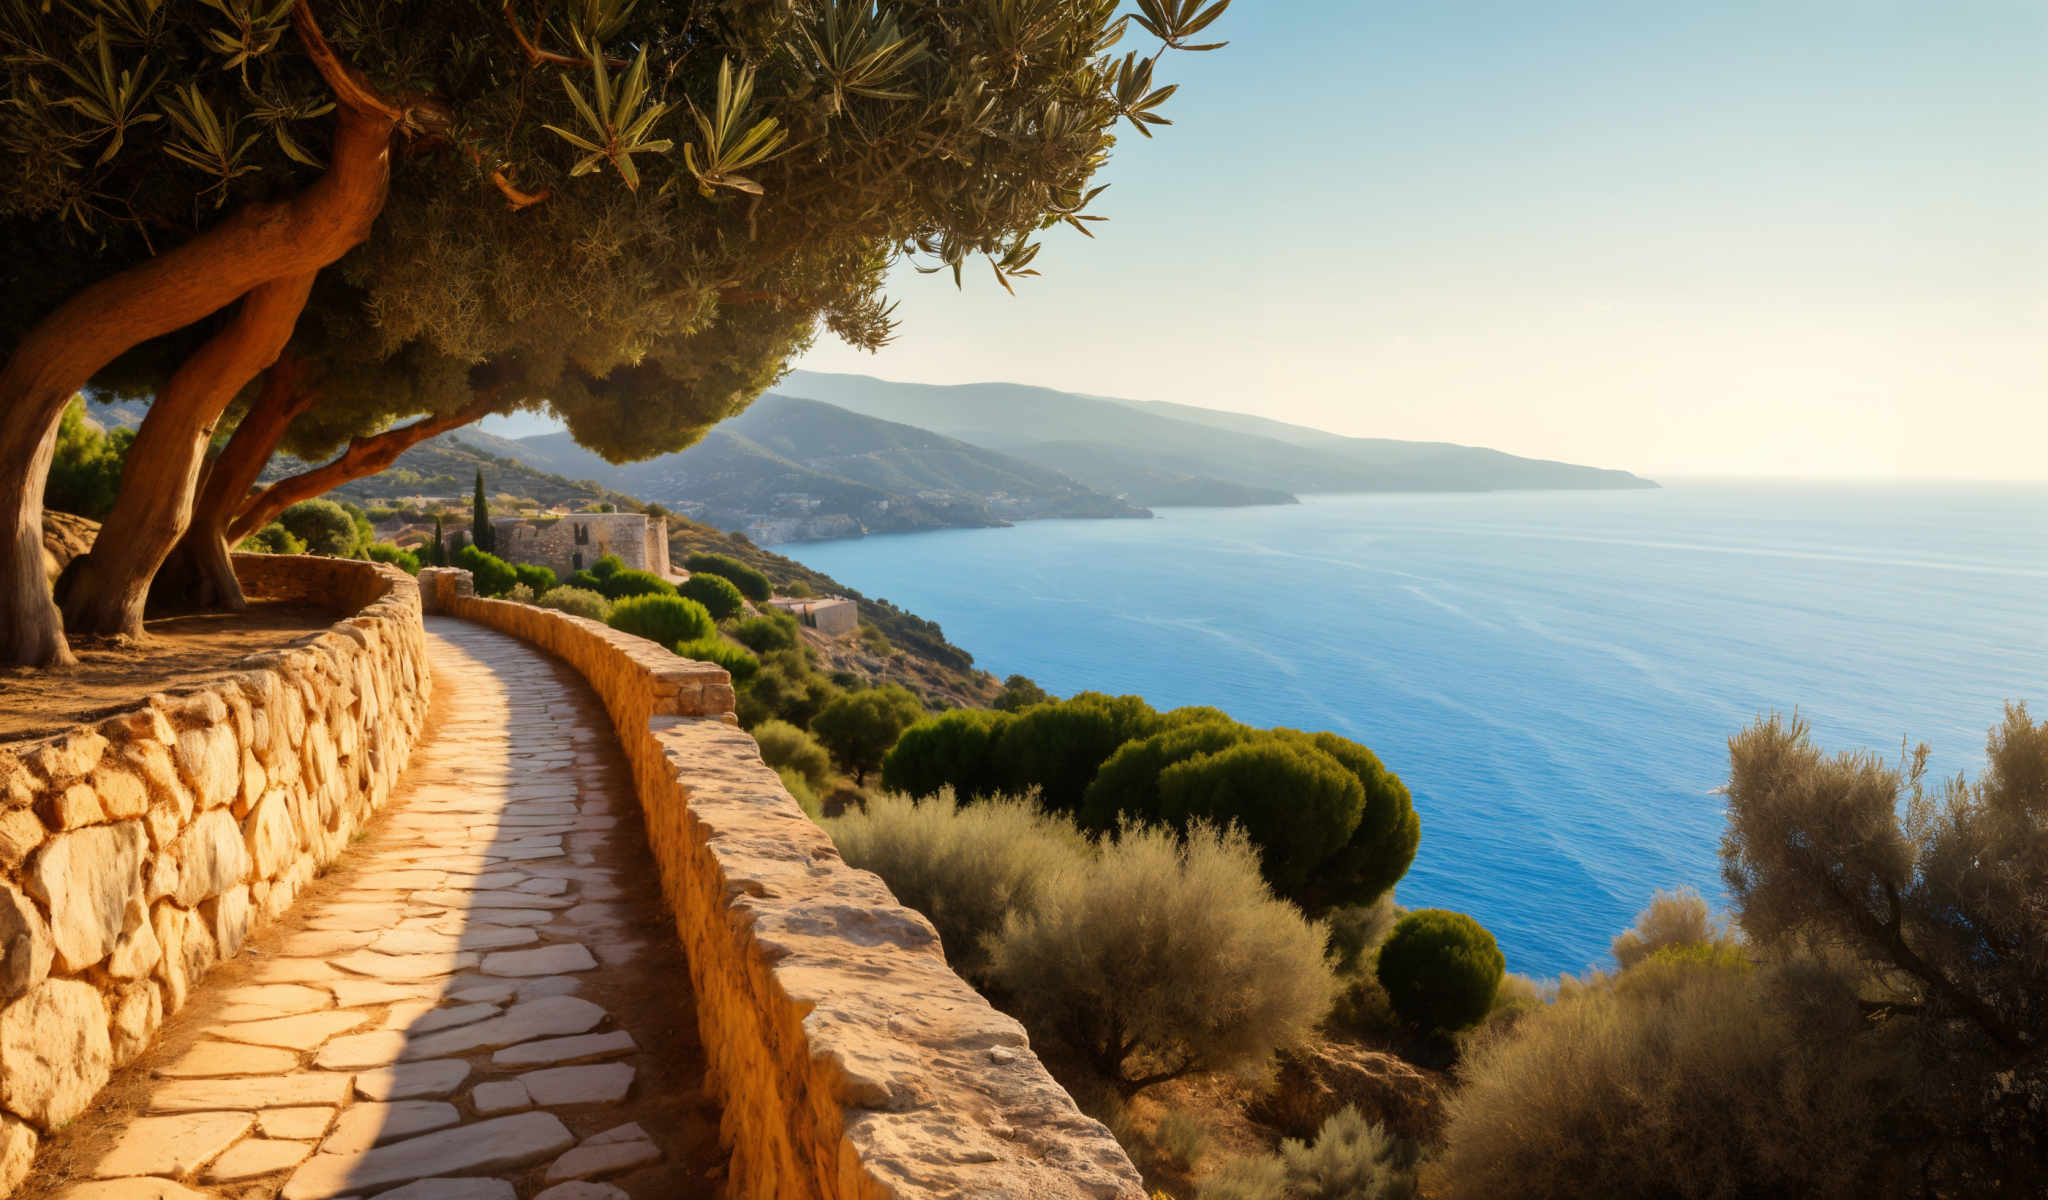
(481, 1001)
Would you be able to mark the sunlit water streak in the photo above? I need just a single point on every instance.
(1555, 674)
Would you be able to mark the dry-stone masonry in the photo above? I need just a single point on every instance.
(852, 1064)
(138, 851)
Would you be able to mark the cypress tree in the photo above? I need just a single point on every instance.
(480, 518)
(438, 552)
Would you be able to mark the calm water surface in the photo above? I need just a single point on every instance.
(1554, 674)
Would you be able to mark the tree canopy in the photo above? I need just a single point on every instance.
(630, 214)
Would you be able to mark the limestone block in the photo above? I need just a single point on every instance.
(212, 858)
(86, 879)
(144, 724)
(21, 831)
(228, 917)
(54, 1052)
(209, 760)
(273, 842)
(171, 922)
(138, 1013)
(17, 1152)
(152, 762)
(136, 951)
(25, 946)
(201, 707)
(121, 792)
(162, 877)
(19, 784)
(254, 781)
(67, 757)
(73, 807)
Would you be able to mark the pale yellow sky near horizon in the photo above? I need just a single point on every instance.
(1806, 240)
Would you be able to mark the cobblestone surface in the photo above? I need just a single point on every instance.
(481, 999)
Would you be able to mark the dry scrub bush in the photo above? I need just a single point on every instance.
(784, 745)
(800, 790)
(1165, 955)
(1694, 1083)
(967, 869)
(577, 602)
(1180, 1140)
(1677, 918)
(1351, 1158)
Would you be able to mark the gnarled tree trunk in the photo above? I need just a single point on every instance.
(258, 244)
(104, 591)
(200, 573)
(364, 456)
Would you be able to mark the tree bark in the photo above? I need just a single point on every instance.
(364, 456)
(103, 592)
(200, 573)
(60, 355)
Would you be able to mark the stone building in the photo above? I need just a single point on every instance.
(833, 616)
(571, 543)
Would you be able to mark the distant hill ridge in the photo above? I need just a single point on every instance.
(1128, 446)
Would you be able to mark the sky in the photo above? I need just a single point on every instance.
(1712, 239)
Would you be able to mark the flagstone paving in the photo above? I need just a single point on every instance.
(481, 1001)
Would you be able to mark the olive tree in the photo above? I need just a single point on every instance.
(631, 214)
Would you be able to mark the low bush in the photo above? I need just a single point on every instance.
(1356, 931)
(718, 596)
(491, 575)
(324, 526)
(951, 750)
(664, 620)
(967, 869)
(751, 583)
(874, 641)
(272, 539)
(385, 552)
(1351, 1158)
(1164, 954)
(606, 567)
(1263, 1177)
(784, 745)
(1019, 693)
(520, 594)
(1180, 1140)
(800, 790)
(540, 579)
(586, 581)
(1057, 747)
(1440, 969)
(766, 633)
(633, 582)
(577, 601)
(860, 727)
(1712, 1087)
(787, 687)
(1673, 919)
(737, 660)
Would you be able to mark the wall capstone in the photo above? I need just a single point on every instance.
(851, 1062)
(133, 851)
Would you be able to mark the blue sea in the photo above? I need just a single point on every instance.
(1554, 674)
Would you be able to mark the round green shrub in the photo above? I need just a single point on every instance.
(950, 750)
(1440, 969)
(1382, 845)
(1056, 748)
(385, 552)
(1296, 803)
(860, 727)
(664, 620)
(718, 596)
(606, 567)
(324, 526)
(787, 686)
(540, 579)
(586, 581)
(493, 576)
(1128, 783)
(272, 539)
(784, 745)
(576, 601)
(634, 582)
(737, 660)
(767, 633)
(751, 583)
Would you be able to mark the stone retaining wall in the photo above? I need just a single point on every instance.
(137, 851)
(852, 1064)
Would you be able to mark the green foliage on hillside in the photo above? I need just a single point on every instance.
(1440, 969)
(737, 660)
(493, 576)
(576, 601)
(663, 619)
(752, 583)
(540, 579)
(633, 582)
(718, 596)
(860, 727)
(324, 527)
(85, 470)
(272, 539)
(385, 552)
(950, 753)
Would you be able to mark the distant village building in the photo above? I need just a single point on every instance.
(573, 542)
(834, 616)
